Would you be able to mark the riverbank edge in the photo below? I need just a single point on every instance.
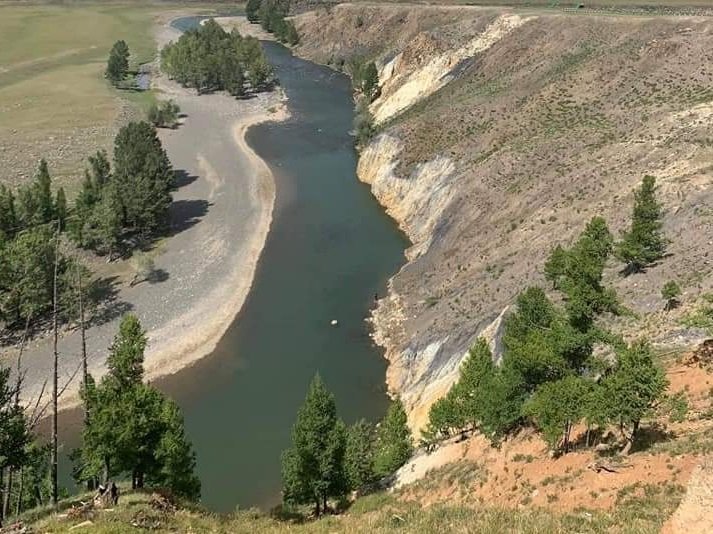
(166, 359)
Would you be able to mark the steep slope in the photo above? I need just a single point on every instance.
(500, 134)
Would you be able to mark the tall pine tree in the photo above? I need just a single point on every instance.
(313, 468)
(644, 242)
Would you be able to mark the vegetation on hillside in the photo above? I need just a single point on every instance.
(210, 59)
(327, 460)
(132, 428)
(271, 16)
(551, 376)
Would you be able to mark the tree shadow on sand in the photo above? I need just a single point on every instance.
(183, 178)
(187, 213)
(108, 306)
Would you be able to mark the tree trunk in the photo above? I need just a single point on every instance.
(105, 471)
(2, 488)
(53, 460)
(20, 491)
(19, 360)
(316, 508)
(589, 429)
(324, 503)
(8, 493)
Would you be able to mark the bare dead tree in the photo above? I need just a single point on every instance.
(55, 370)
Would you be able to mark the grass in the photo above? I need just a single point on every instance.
(53, 59)
(54, 100)
(643, 509)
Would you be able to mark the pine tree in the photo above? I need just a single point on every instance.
(126, 354)
(557, 406)
(670, 292)
(252, 10)
(476, 375)
(131, 427)
(175, 456)
(313, 468)
(143, 178)
(8, 215)
(644, 242)
(394, 443)
(632, 390)
(370, 81)
(359, 455)
(60, 209)
(118, 63)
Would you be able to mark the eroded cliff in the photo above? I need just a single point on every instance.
(501, 133)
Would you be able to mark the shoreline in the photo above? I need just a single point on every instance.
(191, 336)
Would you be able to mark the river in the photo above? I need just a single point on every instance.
(330, 250)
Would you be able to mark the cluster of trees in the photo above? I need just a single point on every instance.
(164, 114)
(131, 199)
(31, 258)
(271, 16)
(365, 81)
(328, 459)
(211, 59)
(131, 427)
(549, 375)
(117, 66)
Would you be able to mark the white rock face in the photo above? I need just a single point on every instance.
(405, 89)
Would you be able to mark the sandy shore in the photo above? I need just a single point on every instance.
(221, 217)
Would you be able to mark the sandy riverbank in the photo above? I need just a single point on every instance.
(221, 216)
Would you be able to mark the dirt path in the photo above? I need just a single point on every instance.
(220, 218)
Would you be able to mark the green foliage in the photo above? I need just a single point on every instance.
(313, 468)
(252, 10)
(394, 444)
(578, 271)
(365, 78)
(143, 178)
(117, 66)
(370, 81)
(165, 114)
(211, 59)
(364, 128)
(643, 243)
(27, 277)
(632, 390)
(131, 427)
(359, 455)
(556, 406)
(670, 292)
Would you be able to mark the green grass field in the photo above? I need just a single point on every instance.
(54, 100)
(52, 60)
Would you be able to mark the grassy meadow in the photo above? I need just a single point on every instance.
(54, 100)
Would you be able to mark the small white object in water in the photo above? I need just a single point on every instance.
(334, 322)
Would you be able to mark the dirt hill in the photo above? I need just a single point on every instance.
(501, 132)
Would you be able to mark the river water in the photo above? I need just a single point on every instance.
(330, 250)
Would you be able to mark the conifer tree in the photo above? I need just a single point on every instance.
(118, 63)
(557, 406)
(359, 455)
(175, 456)
(394, 443)
(143, 178)
(633, 389)
(644, 242)
(670, 292)
(313, 468)
(370, 81)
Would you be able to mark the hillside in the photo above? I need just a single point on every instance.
(500, 133)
